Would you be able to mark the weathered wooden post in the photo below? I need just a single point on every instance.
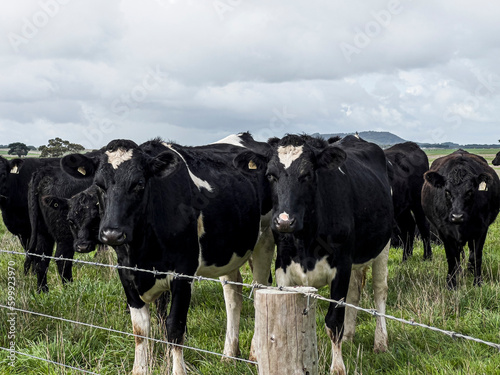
(285, 331)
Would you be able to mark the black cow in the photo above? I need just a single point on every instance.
(15, 176)
(332, 214)
(159, 214)
(409, 163)
(496, 161)
(461, 199)
(51, 226)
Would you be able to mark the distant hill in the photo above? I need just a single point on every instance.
(387, 139)
(380, 138)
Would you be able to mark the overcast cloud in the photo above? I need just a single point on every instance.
(195, 71)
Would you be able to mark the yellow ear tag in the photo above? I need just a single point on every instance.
(15, 169)
(483, 186)
(82, 170)
(252, 165)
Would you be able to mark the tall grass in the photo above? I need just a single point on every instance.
(417, 290)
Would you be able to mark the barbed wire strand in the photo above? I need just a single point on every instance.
(125, 333)
(49, 361)
(316, 296)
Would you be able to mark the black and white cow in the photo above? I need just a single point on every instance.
(409, 163)
(51, 226)
(332, 214)
(160, 215)
(461, 197)
(15, 176)
(496, 161)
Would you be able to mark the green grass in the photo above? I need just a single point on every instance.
(416, 291)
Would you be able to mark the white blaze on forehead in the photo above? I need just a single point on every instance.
(232, 139)
(288, 154)
(115, 158)
(284, 216)
(197, 181)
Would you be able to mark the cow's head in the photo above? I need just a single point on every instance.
(293, 171)
(123, 177)
(82, 213)
(458, 188)
(496, 161)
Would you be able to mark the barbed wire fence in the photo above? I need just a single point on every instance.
(314, 296)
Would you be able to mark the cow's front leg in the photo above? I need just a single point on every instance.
(379, 275)
(176, 323)
(233, 299)
(335, 317)
(141, 324)
(476, 258)
(453, 252)
(353, 296)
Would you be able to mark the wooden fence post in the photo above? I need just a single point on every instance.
(285, 330)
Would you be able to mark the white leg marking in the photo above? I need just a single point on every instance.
(288, 154)
(141, 324)
(233, 298)
(337, 367)
(353, 296)
(115, 158)
(179, 367)
(379, 275)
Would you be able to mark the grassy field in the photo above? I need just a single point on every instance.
(416, 291)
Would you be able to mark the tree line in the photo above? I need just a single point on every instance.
(55, 148)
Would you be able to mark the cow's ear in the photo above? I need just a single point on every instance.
(483, 181)
(15, 165)
(331, 158)
(273, 142)
(164, 164)
(249, 162)
(435, 179)
(79, 166)
(55, 203)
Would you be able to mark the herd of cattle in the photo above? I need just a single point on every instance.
(328, 207)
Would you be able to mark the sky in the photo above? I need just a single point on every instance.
(194, 71)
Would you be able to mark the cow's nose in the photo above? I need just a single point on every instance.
(84, 247)
(284, 223)
(457, 218)
(113, 237)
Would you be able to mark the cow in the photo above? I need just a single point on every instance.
(332, 215)
(15, 175)
(159, 214)
(51, 226)
(409, 163)
(496, 161)
(461, 198)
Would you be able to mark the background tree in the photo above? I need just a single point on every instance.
(58, 147)
(18, 148)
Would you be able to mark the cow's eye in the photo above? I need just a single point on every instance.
(139, 185)
(272, 177)
(448, 194)
(468, 194)
(305, 177)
